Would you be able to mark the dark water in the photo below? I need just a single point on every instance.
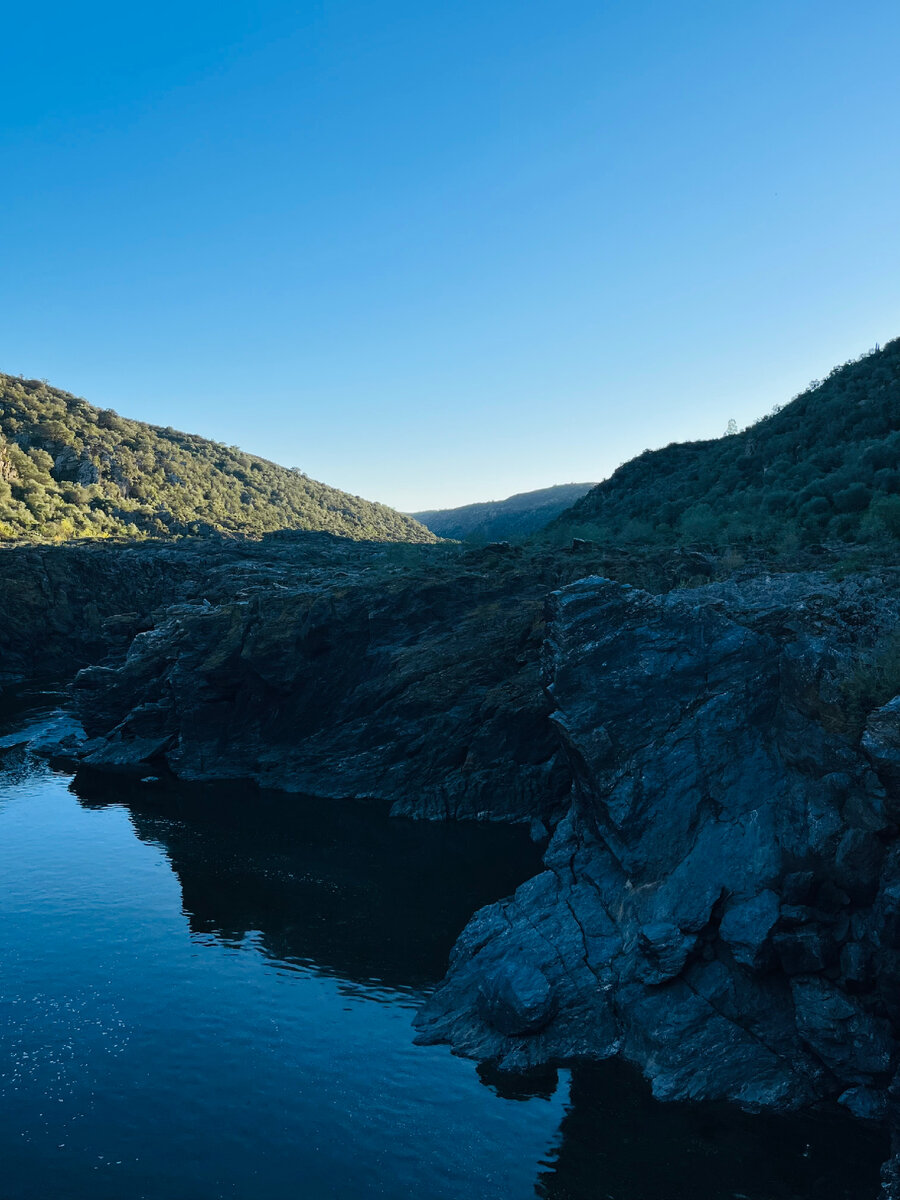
(208, 993)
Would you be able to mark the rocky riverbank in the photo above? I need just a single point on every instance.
(407, 674)
(721, 904)
(719, 766)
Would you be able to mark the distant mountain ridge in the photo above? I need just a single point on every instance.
(824, 467)
(70, 470)
(518, 516)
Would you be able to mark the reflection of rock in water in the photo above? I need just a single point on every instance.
(618, 1143)
(332, 884)
(27, 715)
(540, 1082)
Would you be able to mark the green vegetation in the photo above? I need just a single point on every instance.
(503, 520)
(824, 468)
(69, 470)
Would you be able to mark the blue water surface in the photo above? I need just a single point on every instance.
(208, 992)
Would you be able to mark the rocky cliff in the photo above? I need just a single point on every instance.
(420, 692)
(719, 766)
(66, 606)
(721, 904)
(340, 671)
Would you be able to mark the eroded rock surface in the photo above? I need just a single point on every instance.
(426, 695)
(65, 606)
(719, 767)
(722, 903)
(409, 675)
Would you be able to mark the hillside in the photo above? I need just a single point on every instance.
(825, 467)
(497, 520)
(69, 470)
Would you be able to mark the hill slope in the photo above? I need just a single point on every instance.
(824, 467)
(518, 516)
(70, 470)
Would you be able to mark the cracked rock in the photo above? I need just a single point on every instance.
(516, 999)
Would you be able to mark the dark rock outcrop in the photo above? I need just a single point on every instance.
(721, 904)
(516, 999)
(719, 767)
(68, 605)
(410, 675)
(421, 689)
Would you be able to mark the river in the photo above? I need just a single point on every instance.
(208, 992)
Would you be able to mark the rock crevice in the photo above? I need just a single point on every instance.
(719, 767)
(725, 888)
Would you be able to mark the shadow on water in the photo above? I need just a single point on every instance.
(343, 890)
(617, 1143)
(338, 886)
(22, 706)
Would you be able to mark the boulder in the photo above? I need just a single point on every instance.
(746, 927)
(516, 999)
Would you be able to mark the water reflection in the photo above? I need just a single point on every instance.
(345, 889)
(153, 1045)
(21, 708)
(617, 1143)
(294, 1087)
(338, 886)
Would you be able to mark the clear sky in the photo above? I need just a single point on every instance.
(434, 253)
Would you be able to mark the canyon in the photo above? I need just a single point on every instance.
(707, 752)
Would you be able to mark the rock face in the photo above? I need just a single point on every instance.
(66, 606)
(408, 675)
(722, 903)
(719, 766)
(516, 999)
(419, 690)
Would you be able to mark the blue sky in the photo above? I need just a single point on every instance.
(437, 253)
